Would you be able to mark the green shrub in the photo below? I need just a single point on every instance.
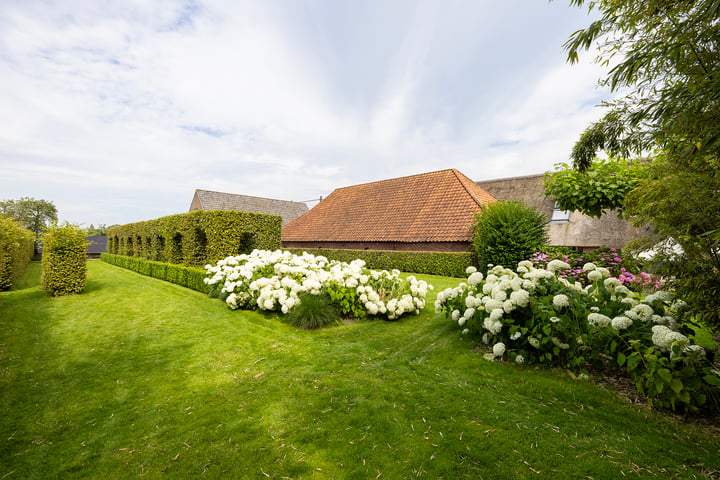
(16, 250)
(446, 264)
(189, 277)
(64, 260)
(507, 233)
(313, 311)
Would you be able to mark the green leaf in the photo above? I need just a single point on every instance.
(664, 374)
(713, 380)
(676, 385)
(621, 359)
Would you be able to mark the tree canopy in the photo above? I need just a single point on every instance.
(666, 54)
(603, 186)
(35, 215)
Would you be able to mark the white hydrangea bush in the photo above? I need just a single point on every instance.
(274, 281)
(531, 315)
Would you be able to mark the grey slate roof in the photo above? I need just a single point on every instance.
(209, 200)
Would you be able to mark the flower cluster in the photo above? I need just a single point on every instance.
(614, 260)
(532, 315)
(274, 280)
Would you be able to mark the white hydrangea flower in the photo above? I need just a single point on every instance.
(611, 282)
(534, 342)
(557, 265)
(475, 278)
(598, 320)
(498, 349)
(521, 298)
(470, 270)
(515, 335)
(526, 264)
(589, 267)
(519, 359)
(641, 312)
(594, 276)
(496, 314)
(561, 300)
(621, 323)
(664, 337)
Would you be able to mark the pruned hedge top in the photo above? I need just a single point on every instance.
(196, 238)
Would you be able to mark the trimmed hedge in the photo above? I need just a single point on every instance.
(189, 277)
(64, 260)
(196, 238)
(446, 264)
(17, 246)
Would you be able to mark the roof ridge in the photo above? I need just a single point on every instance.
(463, 181)
(246, 196)
(423, 174)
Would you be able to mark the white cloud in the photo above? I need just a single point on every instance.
(139, 103)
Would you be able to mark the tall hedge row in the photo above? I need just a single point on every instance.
(16, 250)
(447, 264)
(64, 260)
(196, 238)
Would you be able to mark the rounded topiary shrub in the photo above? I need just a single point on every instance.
(64, 260)
(507, 233)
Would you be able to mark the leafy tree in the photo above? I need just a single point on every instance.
(669, 53)
(603, 186)
(35, 215)
(507, 233)
(668, 66)
(683, 206)
(93, 230)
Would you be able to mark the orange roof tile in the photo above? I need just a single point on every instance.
(430, 207)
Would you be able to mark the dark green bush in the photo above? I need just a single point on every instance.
(16, 250)
(189, 277)
(507, 233)
(314, 311)
(64, 260)
(446, 264)
(196, 238)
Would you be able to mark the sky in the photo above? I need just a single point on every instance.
(117, 110)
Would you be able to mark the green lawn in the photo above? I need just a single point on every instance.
(141, 378)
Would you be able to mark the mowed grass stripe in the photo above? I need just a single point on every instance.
(141, 378)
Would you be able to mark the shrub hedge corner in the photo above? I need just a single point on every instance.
(17, 246)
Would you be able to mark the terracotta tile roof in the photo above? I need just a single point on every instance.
(209, 200)
(429, 207)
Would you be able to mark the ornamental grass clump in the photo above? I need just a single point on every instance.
(313, 311)
(274, 281)
(532, 315)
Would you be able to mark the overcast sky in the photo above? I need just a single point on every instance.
(118, 110)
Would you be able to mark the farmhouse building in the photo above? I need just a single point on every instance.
(426, 212)
(566, 229)
(209, 200)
